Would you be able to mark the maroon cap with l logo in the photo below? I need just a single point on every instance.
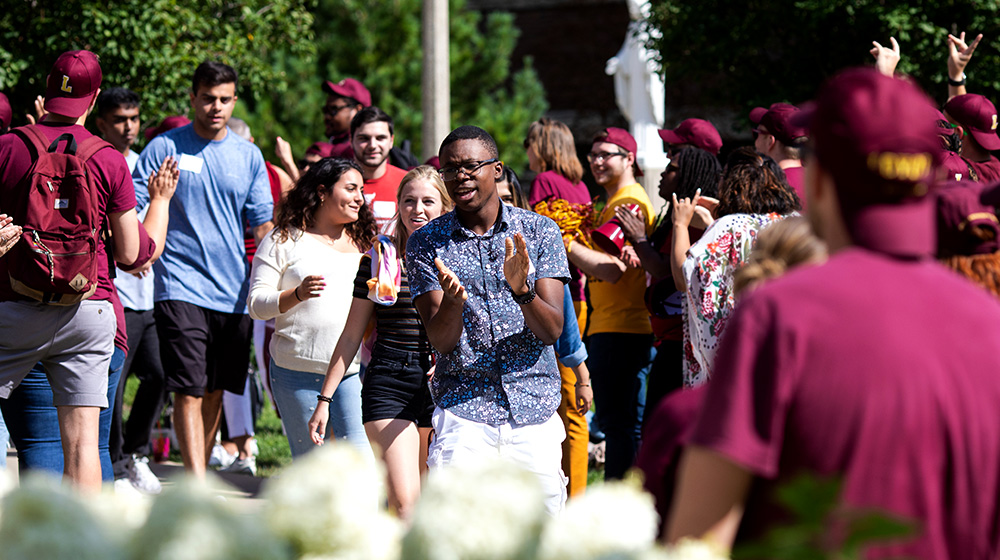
(73, 81)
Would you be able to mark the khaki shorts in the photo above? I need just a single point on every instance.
(74, 343)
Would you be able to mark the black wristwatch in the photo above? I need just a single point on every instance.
(956, 83)
(525, 298)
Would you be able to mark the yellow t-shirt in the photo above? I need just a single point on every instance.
(620, 307)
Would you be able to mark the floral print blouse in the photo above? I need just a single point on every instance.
(708, 271)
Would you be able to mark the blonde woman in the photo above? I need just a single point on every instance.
(396, 402)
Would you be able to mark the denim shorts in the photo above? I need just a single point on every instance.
(395, 386)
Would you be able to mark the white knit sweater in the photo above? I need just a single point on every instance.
(305, 335)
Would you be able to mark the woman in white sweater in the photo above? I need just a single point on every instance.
(303, 276)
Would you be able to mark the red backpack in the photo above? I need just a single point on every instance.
(55, 261)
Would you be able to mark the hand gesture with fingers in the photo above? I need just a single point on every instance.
(311, 287)
(516, 263)
(632, 226)
(163, 183)
(10, 234)
(886, 59)
(959, 54)
(684, 209)
(450, 284)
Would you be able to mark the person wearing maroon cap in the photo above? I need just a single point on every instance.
(843, 370)
(75, 343)
(976, 118)
(692, 132)
(372, 136)
(969, 234)
(621, 337)
(344, 99)
(777, 137)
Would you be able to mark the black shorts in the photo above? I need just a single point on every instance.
(202, 350)
(395, 386)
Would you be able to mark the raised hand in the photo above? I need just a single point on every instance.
(633, 226)
(516, 263)
(959, 54)
(453, 289)
(163, 183)
(886, 59)
(684, 209)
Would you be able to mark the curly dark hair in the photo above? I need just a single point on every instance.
(753, 183)
(298, 210)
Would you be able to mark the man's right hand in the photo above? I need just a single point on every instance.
(453, 289)
(959, 54)
(163, 183)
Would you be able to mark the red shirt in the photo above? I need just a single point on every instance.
(797, 180)
(381, 194)
(988, 170)
(882, 372)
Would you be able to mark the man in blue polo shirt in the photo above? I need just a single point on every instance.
(487, 279)
(201, 279)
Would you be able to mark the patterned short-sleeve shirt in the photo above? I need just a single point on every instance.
(500, 371)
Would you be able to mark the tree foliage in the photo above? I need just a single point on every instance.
(151, 46)
(743, 54)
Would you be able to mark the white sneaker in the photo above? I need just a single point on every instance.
(245, 466)
(141, 477)
(220, 457)
(123, 487)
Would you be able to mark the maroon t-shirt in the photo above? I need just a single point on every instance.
(797, 180)
(115, 187)
(551, 184)
(988, 171)
(880, 371)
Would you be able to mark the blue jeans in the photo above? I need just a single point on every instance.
(295, 394)
(616, 363)
(34, 425)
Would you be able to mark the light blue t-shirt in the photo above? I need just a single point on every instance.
(223, 186)
(136, 293)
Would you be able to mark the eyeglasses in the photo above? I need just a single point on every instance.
(601, 157)
(470, 169)
(334, 109)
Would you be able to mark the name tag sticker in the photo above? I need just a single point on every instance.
(190, 163)
(61, 203)
(384, 209)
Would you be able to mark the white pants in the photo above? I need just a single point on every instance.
(536, 447)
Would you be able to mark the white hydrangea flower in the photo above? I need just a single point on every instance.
(494, 510)
(46, 519)
(694, 549)
(612, 518)
(189, 521)
(327, 504)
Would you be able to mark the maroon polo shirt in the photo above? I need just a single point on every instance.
(551, 184)
(797, 180)
(880, 371)
(988, 171)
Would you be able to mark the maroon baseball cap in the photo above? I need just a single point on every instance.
(697, 132)
(321, 149)
(72, 83)
(5, 113)
(349, 87)
(779, 123)
(959, 210)
(168, 123)
(757, 113)
(621, 138)
(978, 115)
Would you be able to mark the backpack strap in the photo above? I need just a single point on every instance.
(91, 146)
(33, 138)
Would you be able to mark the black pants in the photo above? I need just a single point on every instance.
(144, 361)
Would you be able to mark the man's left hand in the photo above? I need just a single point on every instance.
(516, 264)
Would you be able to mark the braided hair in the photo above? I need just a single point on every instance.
(696, 169)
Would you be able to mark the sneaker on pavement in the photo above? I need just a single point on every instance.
(123, 487)
(244, 466)
(142, 477)
(221, 458)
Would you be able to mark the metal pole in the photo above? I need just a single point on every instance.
(436, 86)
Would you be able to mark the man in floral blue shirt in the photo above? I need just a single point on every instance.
(487, 279)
